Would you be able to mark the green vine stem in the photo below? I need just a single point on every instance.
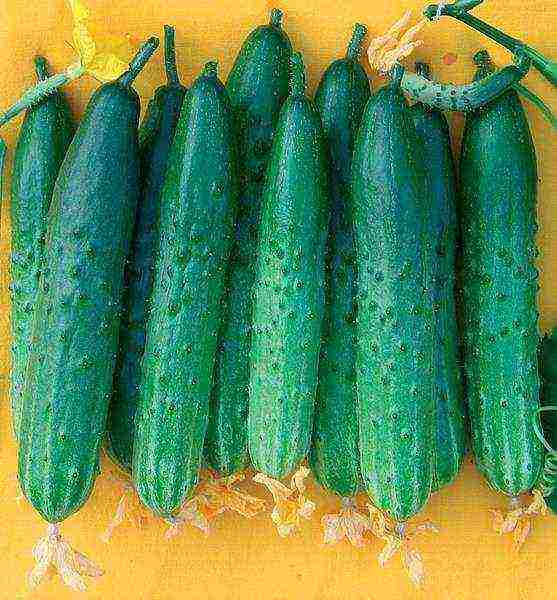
(459, 11)
(486, 67)
(538, 102)
(144, 53)
(41, 90)
(49, 85)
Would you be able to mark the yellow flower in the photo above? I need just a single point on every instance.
(104, 66)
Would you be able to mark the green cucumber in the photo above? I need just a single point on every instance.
(499, 287)
(433, 131)
(340, 99)
(44, 137)
(197, 205)
(395, 326)
(138, 277)
(289, 295)
(258, 85)
(77, 314)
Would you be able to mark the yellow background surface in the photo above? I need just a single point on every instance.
(241, 559)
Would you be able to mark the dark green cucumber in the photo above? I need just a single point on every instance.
(433, 131)
(258, 85)
(395, 358)
(197, 206)
(289, 296)
(548, 396)
(335, 457)
(499, 287)
(44, 137)
(77, 315)
(138, 277)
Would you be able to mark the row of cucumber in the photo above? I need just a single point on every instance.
(252, 277)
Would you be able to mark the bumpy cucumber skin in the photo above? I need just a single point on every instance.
(548, 396)
(499, 278)
(75, 331)
(138, 278)
(335, 457)
(44, 137)
(258, 86)
(289, 295)
(395, 324)
(433, 131)
(197, 206)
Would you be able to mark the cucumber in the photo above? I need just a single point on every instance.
(138, 277)
(258, 85)
(197, 206)
(499, 279)
(289, 295)
(548, 373)
(44, 137)
(340, 99)
(395, 325)
(433, 132)
(468, 97)
(77, 314)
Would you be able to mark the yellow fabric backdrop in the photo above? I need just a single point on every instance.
(247, 560)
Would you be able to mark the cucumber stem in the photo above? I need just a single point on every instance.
(423, 70)
(276, 17)
(211, 68)
(171, 69)
(41, 68)
(139, 61)
(41, 90)
(355, 46)
(486, 67)
(483, 61)
(297, 75)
